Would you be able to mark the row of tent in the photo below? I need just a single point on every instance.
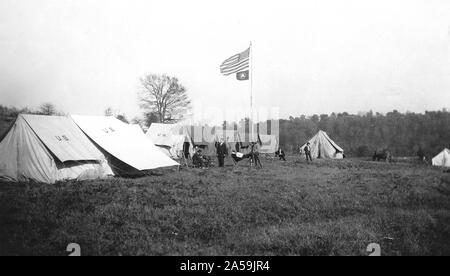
(177, 140)
(56, 148)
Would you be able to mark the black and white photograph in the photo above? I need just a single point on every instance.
(239, 129)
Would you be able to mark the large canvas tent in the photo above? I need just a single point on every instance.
(122, 144)
(49, 149)
(442, 159)
(269, 143)
(323, 147)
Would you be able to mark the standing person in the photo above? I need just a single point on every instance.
(307, 150)
(221, 150)
(281, 154)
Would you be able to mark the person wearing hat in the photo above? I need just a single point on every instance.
(307, 151)
(221, 150)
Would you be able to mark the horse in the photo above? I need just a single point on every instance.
(383, 155)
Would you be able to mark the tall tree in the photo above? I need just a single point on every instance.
(47, 109)
(163, 96)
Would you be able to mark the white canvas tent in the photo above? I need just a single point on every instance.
(169, 138)
(442, 159)
(118, 140)
(161, 134)
(49, 149)
(136, 127)
(323, 147)
(269, 143)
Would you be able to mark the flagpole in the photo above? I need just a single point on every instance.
(251, 90)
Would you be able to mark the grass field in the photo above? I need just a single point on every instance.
(287, 208)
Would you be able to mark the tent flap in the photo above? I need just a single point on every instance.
(116, 138)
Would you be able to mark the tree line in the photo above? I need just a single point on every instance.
(404, 134)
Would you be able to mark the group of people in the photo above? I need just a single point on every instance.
(200, 160)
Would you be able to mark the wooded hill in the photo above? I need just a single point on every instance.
(405, 134)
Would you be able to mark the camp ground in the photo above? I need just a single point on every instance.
(224, 128)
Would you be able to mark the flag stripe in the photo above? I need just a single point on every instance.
(236, 69)
(233, 67)
(235, 63)
(231, 59)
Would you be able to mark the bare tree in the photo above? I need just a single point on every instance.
(108, 111)
(163, 96)
(47, 109)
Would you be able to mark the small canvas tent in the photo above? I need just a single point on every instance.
(169, 138)
(442, 159)
(49, 149)
(323, 147)
(269, 143)
(161, 134)
(122, 144)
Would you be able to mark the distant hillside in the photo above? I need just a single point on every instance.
(405, 134)
(7, 117)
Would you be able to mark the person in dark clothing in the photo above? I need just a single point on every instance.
(281, 155)
(221, 149)
(307, 151)
(197, 158)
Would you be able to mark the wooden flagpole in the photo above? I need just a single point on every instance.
(251, 90)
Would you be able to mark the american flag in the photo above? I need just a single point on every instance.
(236, 63)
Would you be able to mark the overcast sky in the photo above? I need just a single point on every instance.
(308, 57)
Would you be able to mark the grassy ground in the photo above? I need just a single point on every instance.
(288, 208)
